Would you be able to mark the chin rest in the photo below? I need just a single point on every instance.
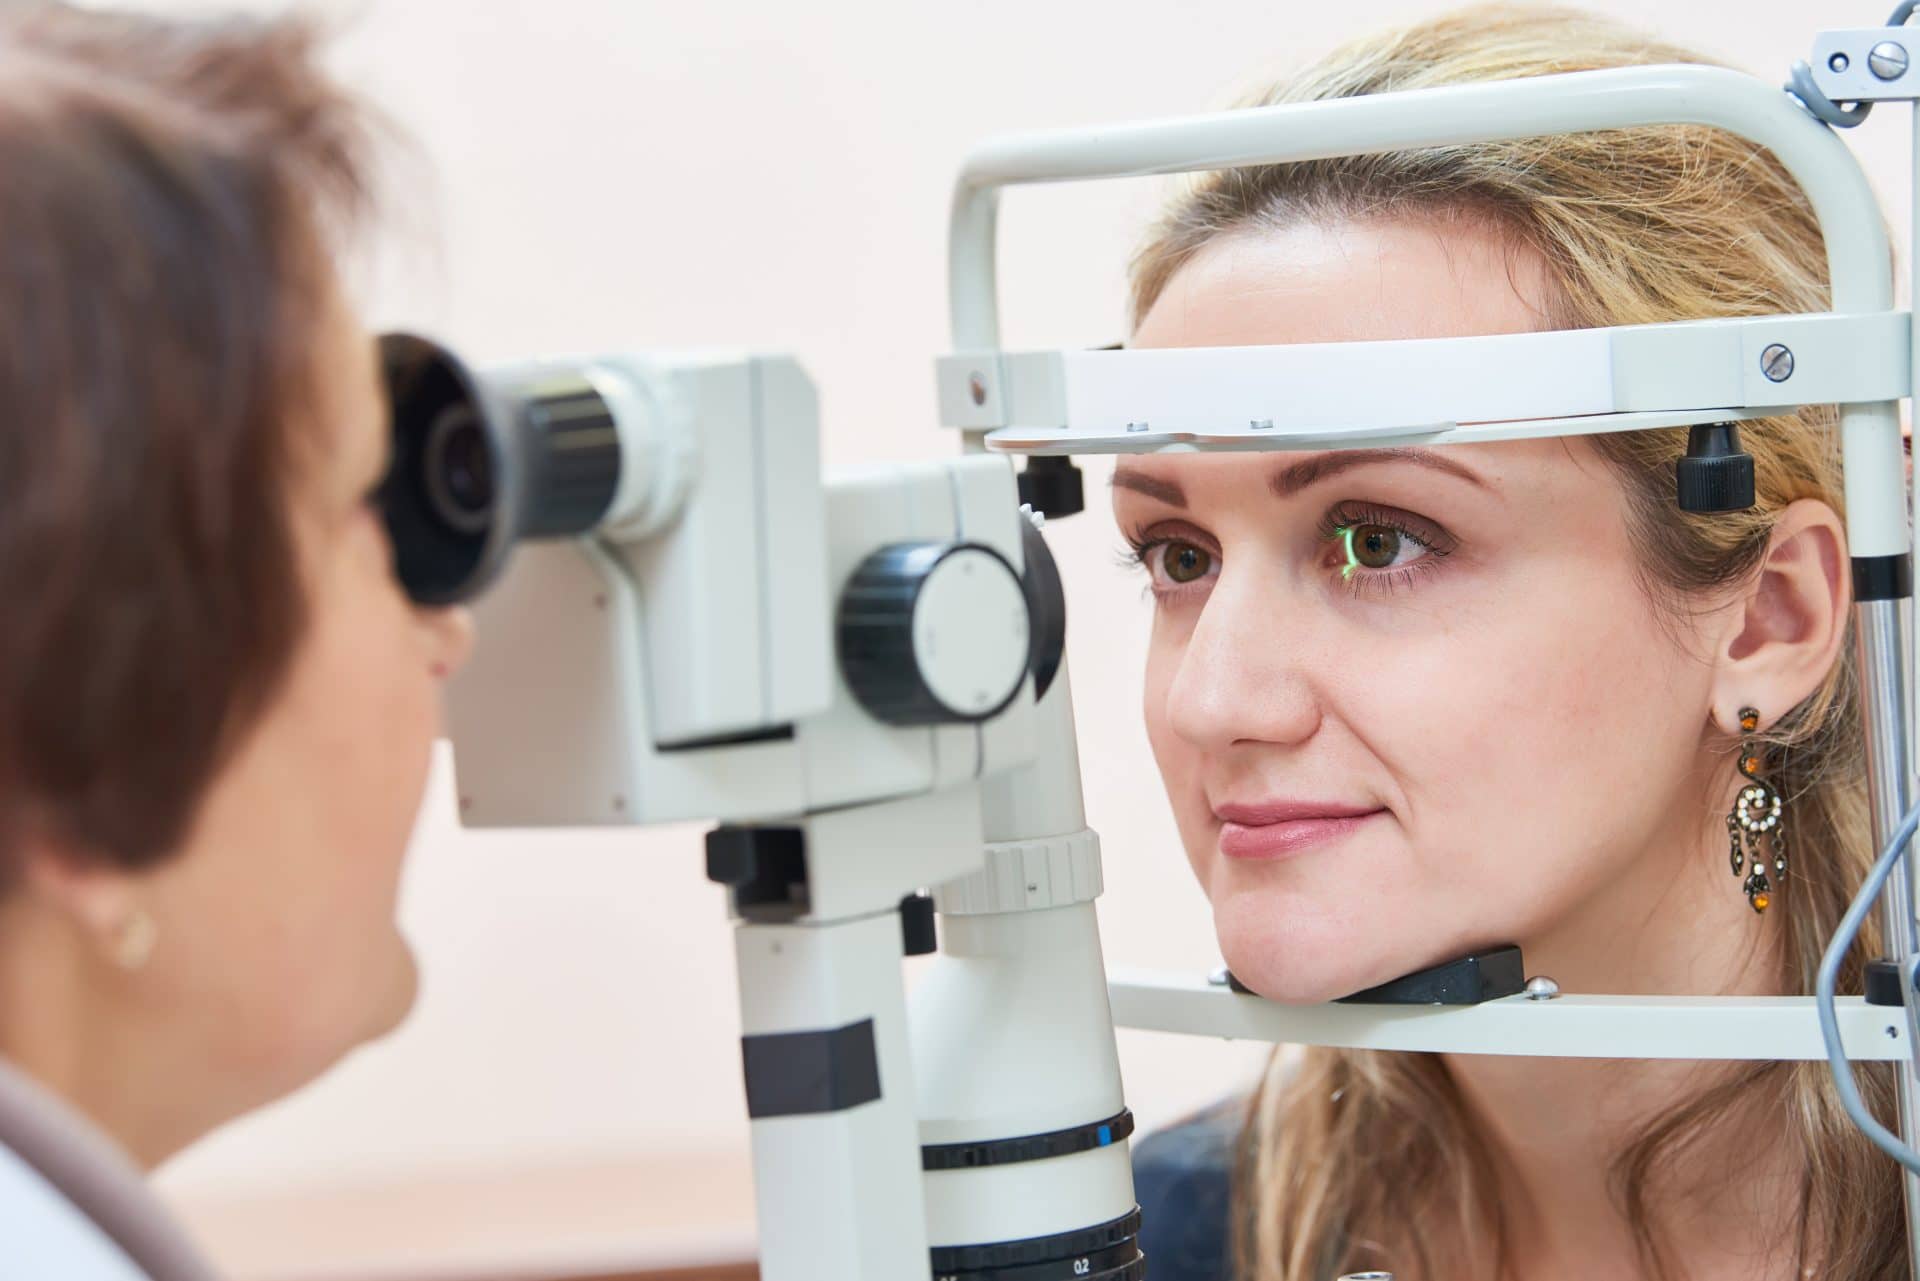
(1483, 976)
(72, 1206)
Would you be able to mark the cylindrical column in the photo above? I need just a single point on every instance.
(1023, 1119)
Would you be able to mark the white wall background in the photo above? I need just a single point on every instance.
(774, 174)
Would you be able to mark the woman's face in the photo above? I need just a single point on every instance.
(278, 947)
(1387, 689)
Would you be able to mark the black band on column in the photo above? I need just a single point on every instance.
(1029, 1147)
(1882, 577)
(801, 1073)
(1015, 1254)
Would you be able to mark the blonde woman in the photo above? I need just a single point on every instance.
(1411, 702)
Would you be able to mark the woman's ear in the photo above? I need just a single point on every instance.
(1787, 629)
(96, 899)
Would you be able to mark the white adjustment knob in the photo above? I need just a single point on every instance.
(934, 633)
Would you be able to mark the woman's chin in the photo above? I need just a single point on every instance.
(401, 993)
(1289, 953)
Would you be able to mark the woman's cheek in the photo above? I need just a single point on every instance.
(1174, 757)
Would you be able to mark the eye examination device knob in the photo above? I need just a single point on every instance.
(1716, 475)
(934, 633)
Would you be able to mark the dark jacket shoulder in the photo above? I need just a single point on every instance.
(1181, 1177)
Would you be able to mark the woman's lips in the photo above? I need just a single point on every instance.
(1283, 828)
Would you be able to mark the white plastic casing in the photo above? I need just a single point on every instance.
(1012, 1036)
(598, 662)
(1432, 390)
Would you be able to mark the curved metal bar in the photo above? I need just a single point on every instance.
(1577, 102)
(1859, 258)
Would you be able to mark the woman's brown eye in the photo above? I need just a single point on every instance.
(1374, 546)
(1184, 562)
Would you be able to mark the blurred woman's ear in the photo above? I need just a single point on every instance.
(100, 901)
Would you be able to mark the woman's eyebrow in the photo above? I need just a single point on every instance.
(1295, 477)
(1165, 491)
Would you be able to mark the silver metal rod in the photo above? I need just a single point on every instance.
(1899, 935)
(1883, 646)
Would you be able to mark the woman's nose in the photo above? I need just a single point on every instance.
(450, 638)
(1243, 673)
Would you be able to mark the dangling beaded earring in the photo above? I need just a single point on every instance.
(1757, 811)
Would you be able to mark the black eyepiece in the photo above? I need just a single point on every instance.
(458, 470)
(444, 497)
(482, 462)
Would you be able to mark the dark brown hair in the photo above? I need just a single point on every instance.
(173, 191)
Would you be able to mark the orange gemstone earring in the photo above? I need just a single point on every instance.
(1757, 811)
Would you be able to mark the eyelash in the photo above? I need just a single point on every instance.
(1333, 526)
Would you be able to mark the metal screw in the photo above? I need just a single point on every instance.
(1542, 988)
(1888, 60)
(1261, 424)
(1136, 427)
(977, 388)
(1838, 63)
(1776, 362)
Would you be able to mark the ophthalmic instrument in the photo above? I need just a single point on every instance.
(860, 678)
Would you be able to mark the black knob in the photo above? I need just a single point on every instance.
(918, 934)
(934, 633)
(1052, 486)
(1715, 476)
(1046, 606)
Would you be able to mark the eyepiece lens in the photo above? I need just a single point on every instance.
(459, 469)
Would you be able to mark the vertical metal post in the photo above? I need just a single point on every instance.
(1885, 649)
(1883, 646)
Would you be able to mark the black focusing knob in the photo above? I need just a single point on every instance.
(919, 936)
(934, 633)
(1715, 475)
(1052, 486)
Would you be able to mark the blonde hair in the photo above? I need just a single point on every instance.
(1355, 1159)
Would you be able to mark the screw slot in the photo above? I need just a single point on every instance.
(1776, 362)
(1888, 60)
(977, 388)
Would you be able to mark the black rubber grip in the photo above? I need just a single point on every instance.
(1029, 1147)
(1122, 1262)
(950, 1259)
(571, 455)
(1882, 577)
